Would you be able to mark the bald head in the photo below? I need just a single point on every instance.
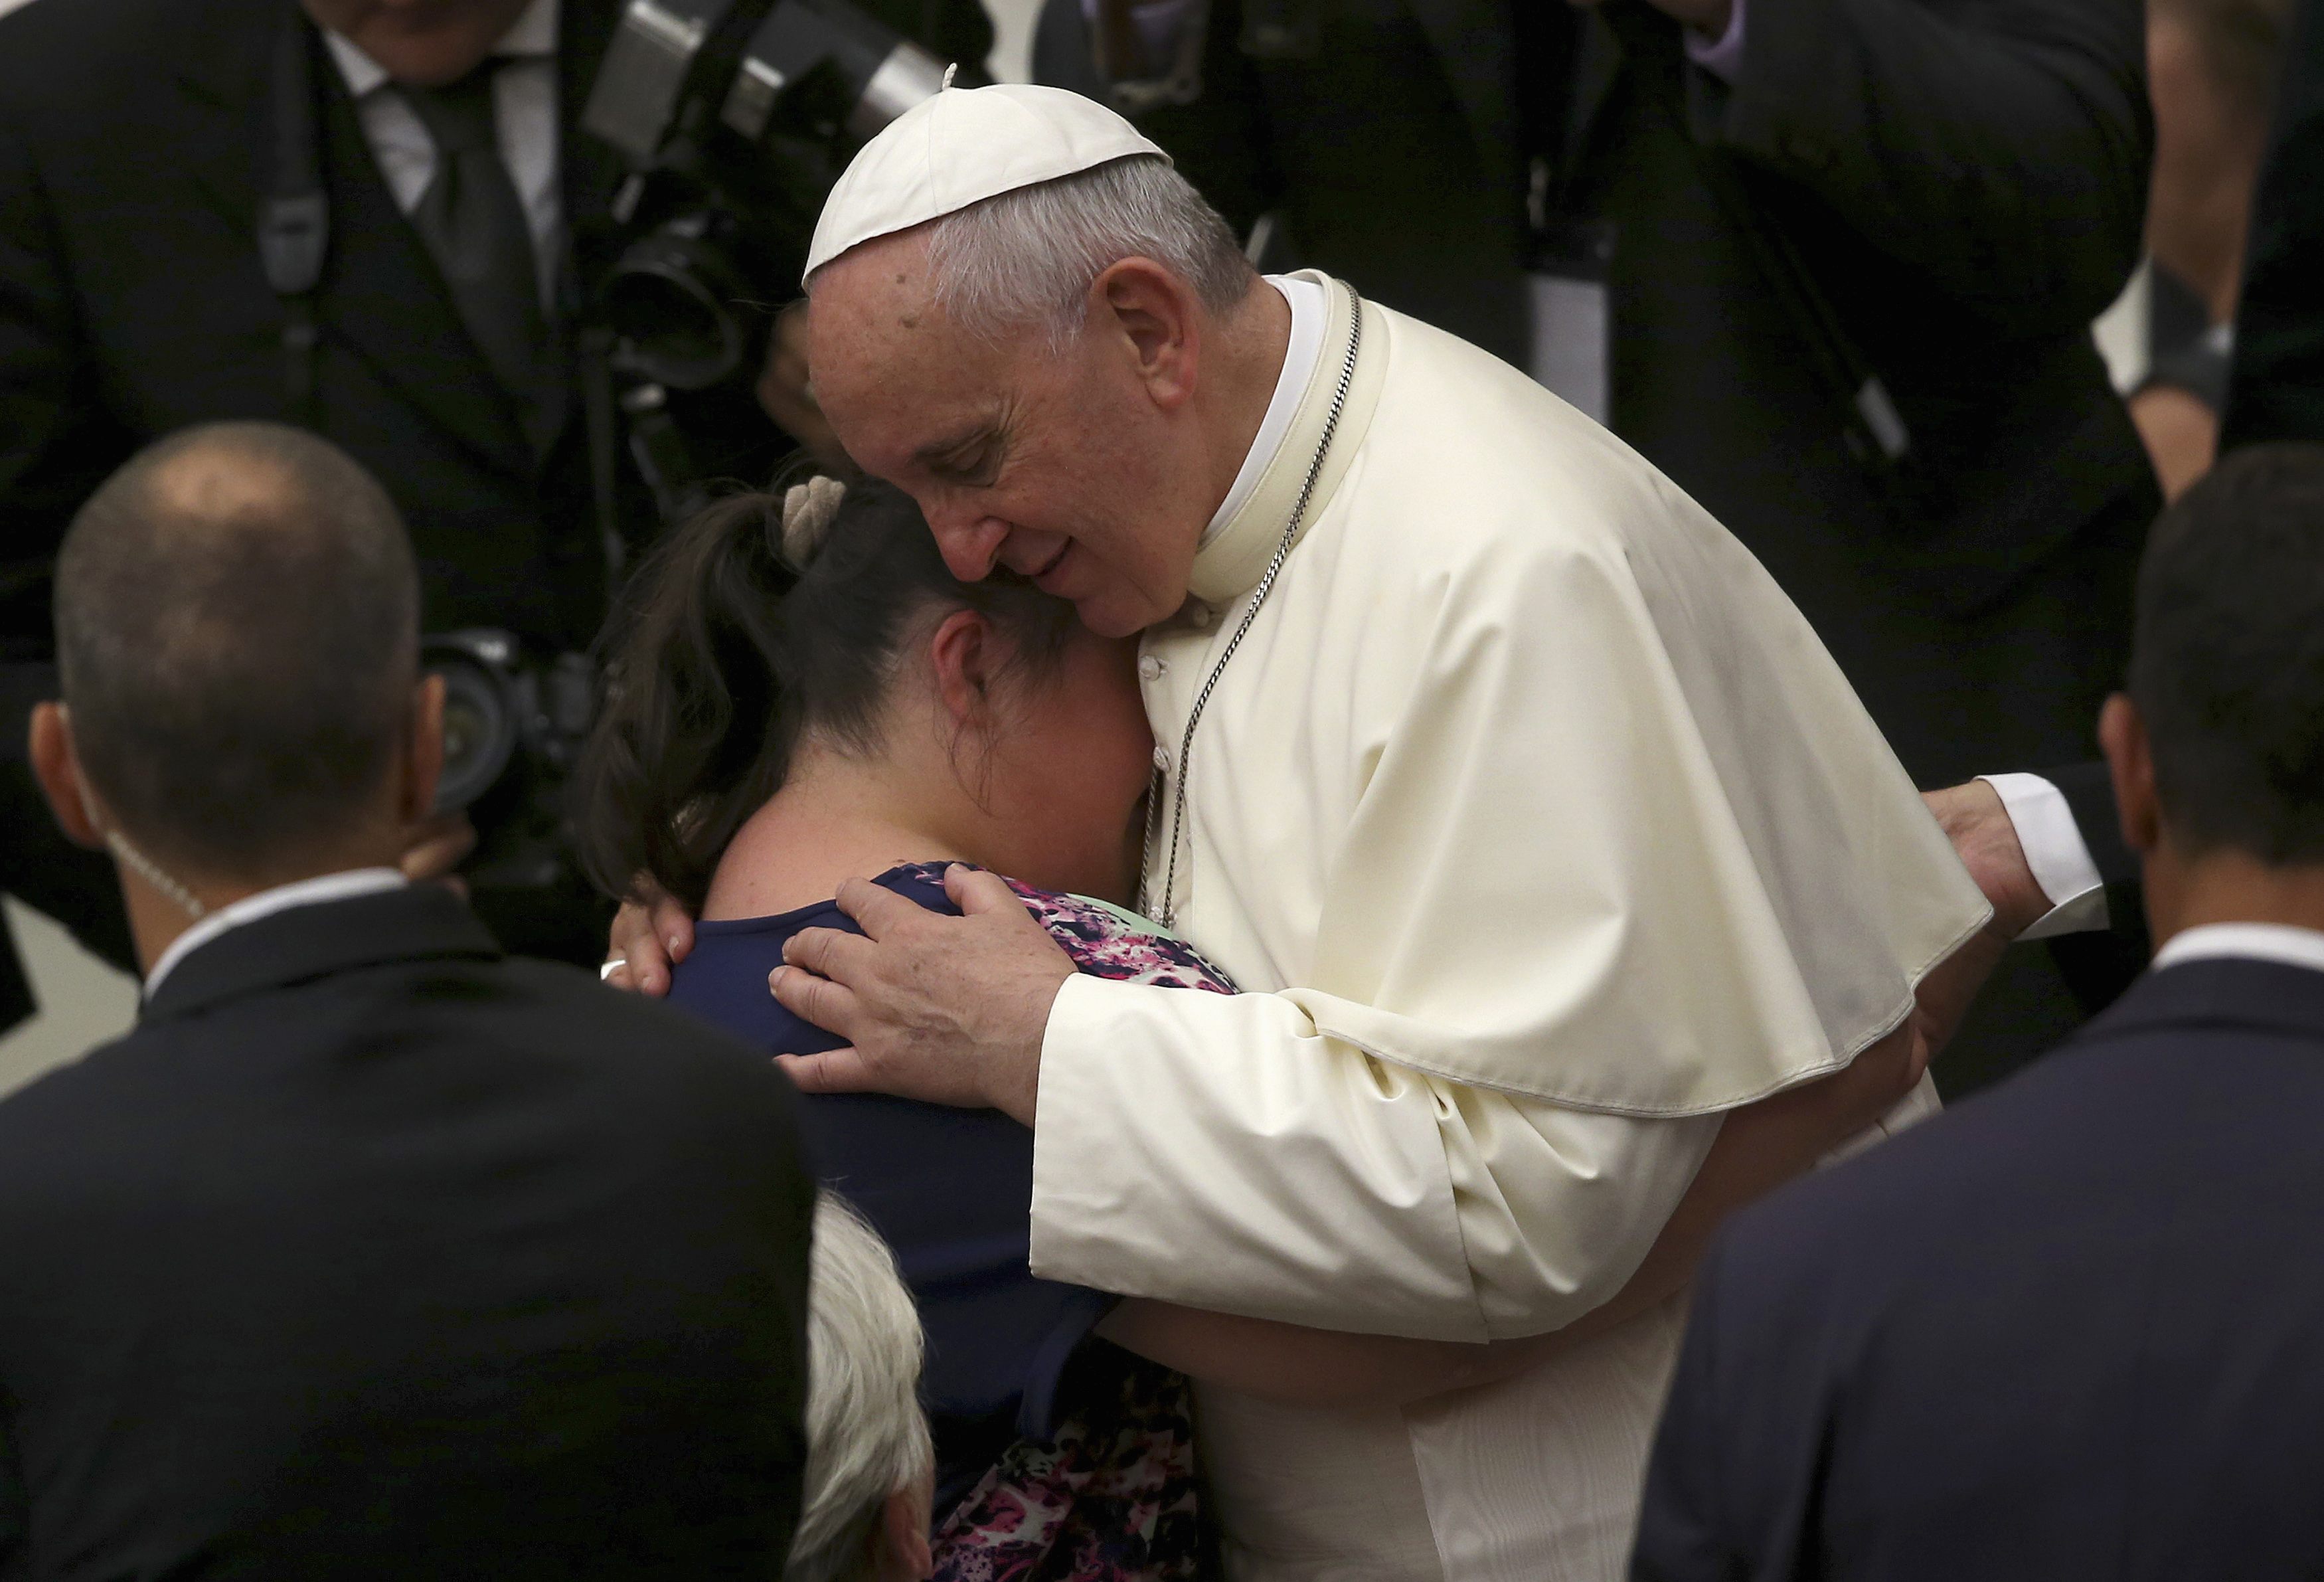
(238, 631)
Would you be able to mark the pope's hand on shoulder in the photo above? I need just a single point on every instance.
(948, 1010)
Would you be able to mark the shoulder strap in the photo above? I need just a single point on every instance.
(294, 216)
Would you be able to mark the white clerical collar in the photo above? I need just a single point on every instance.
(2277, 942)
(313, 892)
(1309, 308)
(533, 33)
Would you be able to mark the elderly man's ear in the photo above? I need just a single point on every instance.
(1159, 319)
(903, 1553)
(57, 766)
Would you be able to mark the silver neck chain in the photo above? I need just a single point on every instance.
(154, 874)
(1166, 913)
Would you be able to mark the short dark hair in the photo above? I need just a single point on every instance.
(238, 635)
(2227, 663)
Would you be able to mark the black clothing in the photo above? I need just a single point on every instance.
(477, 231)
(2074, 1328)
(369, 1252)
(2276, 391)
(134, 135)
(1964, 182)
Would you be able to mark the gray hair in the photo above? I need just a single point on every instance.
(1029, 257)
(866, 1436)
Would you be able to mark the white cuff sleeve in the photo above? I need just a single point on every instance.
(2056, 852)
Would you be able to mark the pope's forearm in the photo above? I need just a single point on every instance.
(1760, 1146)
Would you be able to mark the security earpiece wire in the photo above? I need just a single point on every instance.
(154, 874)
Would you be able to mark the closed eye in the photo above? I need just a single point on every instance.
(973, 459)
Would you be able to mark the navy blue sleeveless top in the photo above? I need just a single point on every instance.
(951, 1189)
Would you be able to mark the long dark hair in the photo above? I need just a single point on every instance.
(725, 653)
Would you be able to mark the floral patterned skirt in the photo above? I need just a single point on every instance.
(1113, 1498)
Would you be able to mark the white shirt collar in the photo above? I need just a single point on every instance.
(1309, 308)
(532, 33)
(312, 892)
(2278, 942)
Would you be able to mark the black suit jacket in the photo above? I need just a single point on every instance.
(135, 140)
(369, 1252)
(2075, 1327)
(1964, 179)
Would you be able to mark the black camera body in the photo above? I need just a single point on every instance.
(735, 117)
(514, 725)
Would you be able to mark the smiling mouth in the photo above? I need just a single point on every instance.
(1040, 573)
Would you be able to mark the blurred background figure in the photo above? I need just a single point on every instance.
(871, 1464)
(2213, 66)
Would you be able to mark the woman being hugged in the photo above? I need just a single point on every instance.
(803, 694)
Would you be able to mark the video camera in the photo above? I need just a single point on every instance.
(513, 729)
(735, 117)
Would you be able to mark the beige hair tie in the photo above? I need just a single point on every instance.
(808, 511)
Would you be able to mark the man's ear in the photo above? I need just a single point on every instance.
(2122, 734)
(423, 751)
(1159, 319)
(963, 656)
(57, 766)
(903, 1540)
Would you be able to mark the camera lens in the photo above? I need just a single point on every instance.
(480, 726)
(671, 301)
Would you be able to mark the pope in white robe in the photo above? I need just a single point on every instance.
(1540, 832)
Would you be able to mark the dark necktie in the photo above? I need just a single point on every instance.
(474, 224)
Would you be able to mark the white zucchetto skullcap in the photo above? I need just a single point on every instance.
(962, 146)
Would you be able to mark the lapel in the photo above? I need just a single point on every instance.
(383, 300)
(220, 80)
(1471, 39)
(421, 922)
(1596, 65)
(591, 170)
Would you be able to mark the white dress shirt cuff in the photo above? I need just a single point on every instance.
(1723, 56)
(2056, 852)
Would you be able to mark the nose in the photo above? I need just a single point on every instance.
(969, 540)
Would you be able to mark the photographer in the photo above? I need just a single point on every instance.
(165, 167)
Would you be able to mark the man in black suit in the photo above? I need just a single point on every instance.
(369, 1252)
(2076, 1327)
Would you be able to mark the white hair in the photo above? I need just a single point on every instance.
(866, 1435)
(1029, 257)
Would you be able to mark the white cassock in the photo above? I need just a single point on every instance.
(1540, 830)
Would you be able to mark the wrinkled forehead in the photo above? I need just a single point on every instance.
(887, 358)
